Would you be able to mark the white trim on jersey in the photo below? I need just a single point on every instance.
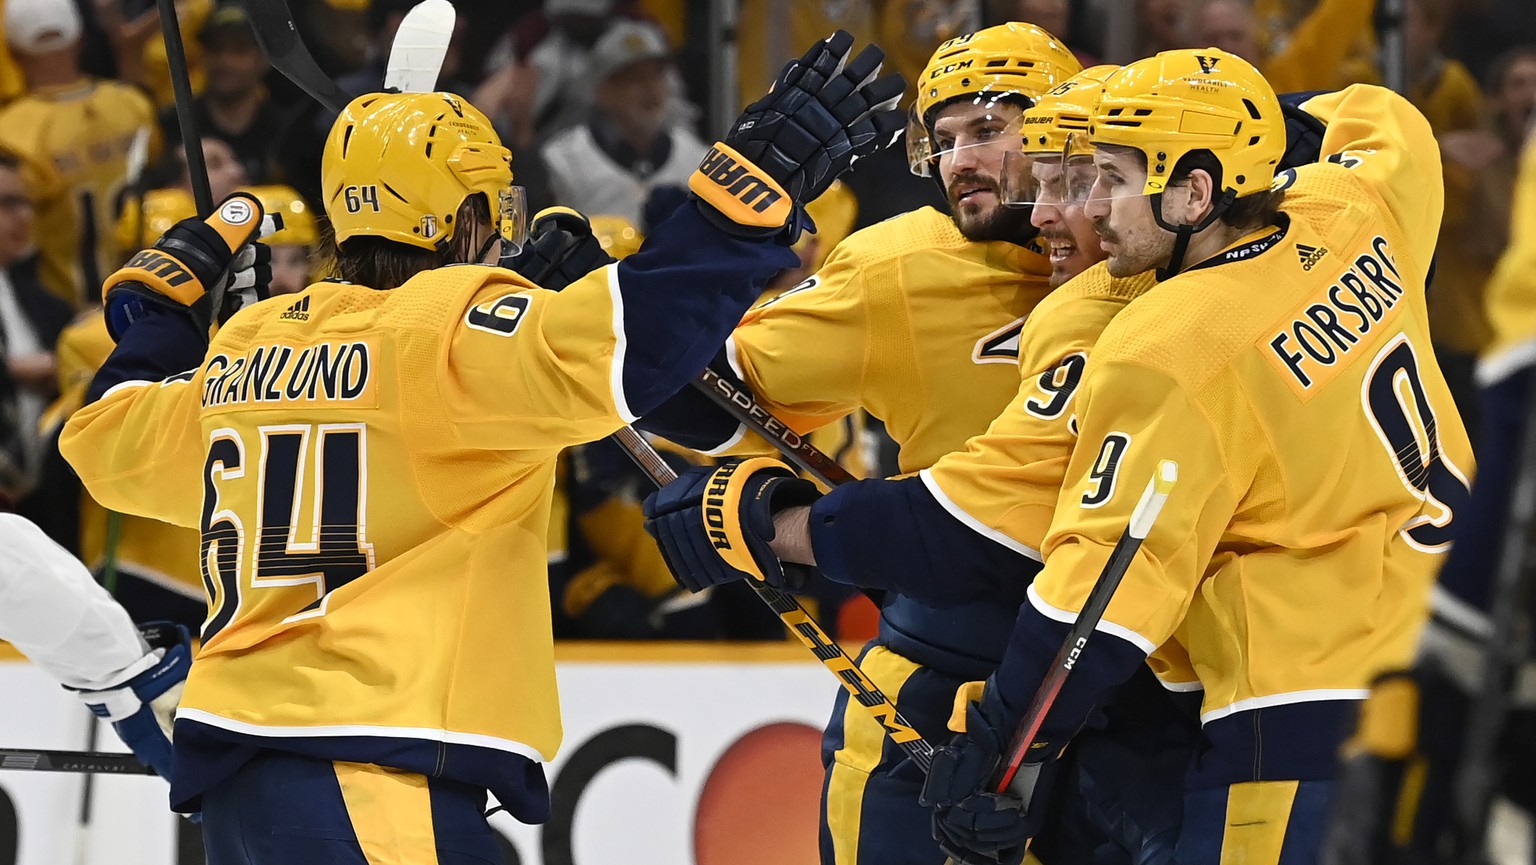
(1105, 626)
(1495, 368)
(974, 524)
(124, 385)
(732, 358)
(1179, 687)
(1320, 695)
(620, 343)
(424, 733)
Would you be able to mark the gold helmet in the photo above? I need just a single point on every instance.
(298, 220)
(142, 224)
(399, 166)
(1194, 99)
(619, 237)
(1062, 115)
(1007, 61)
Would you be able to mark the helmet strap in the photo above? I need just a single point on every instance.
(1183, 233)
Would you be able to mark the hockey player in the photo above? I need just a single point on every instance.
(55, 613)
(917, 321)
(1267, 529)
(376, 457)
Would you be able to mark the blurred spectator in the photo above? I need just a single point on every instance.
(1055, 16)
(30, 321)
(74, 134)
(1480, 171)
(774, 33)
(139, 47)
(1310, 56)
(294, 244)
(910, 30)
(234, 104)
(1159, 25)
(1439, 86)
(12, 84)
(225, 170)
(628, 144)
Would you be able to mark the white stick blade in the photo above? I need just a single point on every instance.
(416, 57)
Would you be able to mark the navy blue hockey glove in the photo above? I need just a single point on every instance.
(142, 709)
(193, 260)
(1303, 132)
(560, 249)
(973, 825)
(714, 524)
(823, 111)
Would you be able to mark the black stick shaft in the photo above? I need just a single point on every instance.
(796, 448)
(181, 85)
(99, 762)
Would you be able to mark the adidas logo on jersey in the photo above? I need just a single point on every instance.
(298, 312)
(1310, 255)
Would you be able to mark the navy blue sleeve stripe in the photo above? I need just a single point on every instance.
(164, 343)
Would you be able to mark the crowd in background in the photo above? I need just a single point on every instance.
(603, 103)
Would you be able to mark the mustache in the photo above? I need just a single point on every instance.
(1104, 232)
(970, 179)
(1056, 231)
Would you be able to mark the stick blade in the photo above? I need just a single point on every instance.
(421, 43)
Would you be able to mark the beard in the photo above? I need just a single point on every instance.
(1139, 254)
(997, 222)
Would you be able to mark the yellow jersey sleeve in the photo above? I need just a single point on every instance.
(1389, 148)
(803, 352)
(1511, 300)
(1132, 418)
(1314, 53)
(139, 449)
(531, 369)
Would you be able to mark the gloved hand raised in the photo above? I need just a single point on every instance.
(142, 709)
(823, 111)
(192, 261)
(560, 249)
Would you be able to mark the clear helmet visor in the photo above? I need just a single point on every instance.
(512, 219)
(984, 128)
(1062, 177)
(1092, 176)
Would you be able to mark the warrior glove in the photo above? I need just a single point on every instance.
(193, 260)
(715, 523)
(823, 112)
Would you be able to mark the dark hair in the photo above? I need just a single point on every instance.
(1494, 81)
(1255, 210)
(384, 264)
(10, 159)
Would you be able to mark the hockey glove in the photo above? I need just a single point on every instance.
(972, 824)
(141, 709)
(560, 250)
(715, 523)
(193, 260)
(1303, 132)
(823, 111)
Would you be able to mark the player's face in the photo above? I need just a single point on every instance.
(290, 268)
(16, 216)
(972, 139)
(1058, 212)
(1122, 214)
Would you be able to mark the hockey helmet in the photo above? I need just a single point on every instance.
(298, 220)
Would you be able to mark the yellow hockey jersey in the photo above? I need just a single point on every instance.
(375, 469)
(908, 320)
(75, 140)
(1321, 459)
(1004, 484)
(158, 552)
(1511, 300)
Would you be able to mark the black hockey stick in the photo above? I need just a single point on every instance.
(97, 762)
(740, 403)
(279, 38)
(1103, 592)
(181, 86)
(803, 625)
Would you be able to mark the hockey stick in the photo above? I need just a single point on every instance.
(740, 403)
(279, 38)
(181, 86)
(98, 762)
(802, 625)
(1103, 591)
